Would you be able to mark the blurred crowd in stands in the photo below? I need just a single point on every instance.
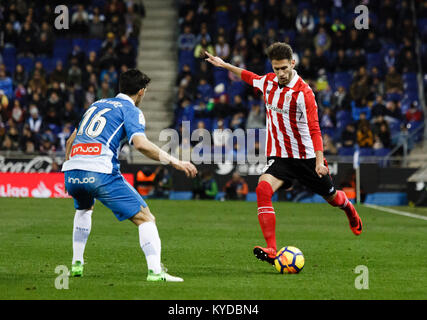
(49, 76)
(365, 81)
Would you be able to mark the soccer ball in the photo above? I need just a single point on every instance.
(289, 260)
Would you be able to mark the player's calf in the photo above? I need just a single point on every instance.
(340, 200)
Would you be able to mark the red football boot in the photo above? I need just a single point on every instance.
(265, 254)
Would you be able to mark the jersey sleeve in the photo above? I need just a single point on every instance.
(313, 119)
(253, 79)
(134, 122)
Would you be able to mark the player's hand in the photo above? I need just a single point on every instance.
(321, 170)
(189, 168)
(216, 61)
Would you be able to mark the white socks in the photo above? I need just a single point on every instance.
(81, 231)
(150, 243)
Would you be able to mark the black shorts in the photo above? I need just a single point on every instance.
(303, 170)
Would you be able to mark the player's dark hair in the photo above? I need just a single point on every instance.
(279, 51)
(132, 81)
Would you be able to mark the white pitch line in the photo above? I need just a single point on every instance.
(401, 213)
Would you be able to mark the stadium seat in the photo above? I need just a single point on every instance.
(47, 63)
(10, 63)
(82, 43)
(94, 45)
(222, 19)
(343, 79)
(346, 151)
(27, 63)
(374, 60)
(382, 152)
(220, 76)
(387, 198)
(366, 152)
(9, 52)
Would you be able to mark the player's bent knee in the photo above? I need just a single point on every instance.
(143, 216)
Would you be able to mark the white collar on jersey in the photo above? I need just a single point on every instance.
(292, 82)
(125, 97)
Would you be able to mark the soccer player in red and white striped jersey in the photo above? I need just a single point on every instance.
(294, 146)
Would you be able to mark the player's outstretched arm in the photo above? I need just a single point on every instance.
(218, 62)
(149, 149)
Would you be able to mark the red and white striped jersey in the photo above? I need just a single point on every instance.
(292, 121)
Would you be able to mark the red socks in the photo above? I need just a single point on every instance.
(343, 203)
(266, 214)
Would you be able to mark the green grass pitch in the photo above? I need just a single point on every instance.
(210, 244)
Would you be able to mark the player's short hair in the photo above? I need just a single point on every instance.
(279, 51)
(133, 80)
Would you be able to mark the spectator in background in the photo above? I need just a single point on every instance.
(413, 114)
(393, 81)
(80, 21)
(96, 27)
(348, 136)
(163, 184)
(322, 40)
(365, 137)
(384, 136)
(205, 186)
(6, 84)
(222, 107)
(236, 188)
(201, 47)
(305, 20)
(342, 62)
(328, 145)
(222, 48)
(256, 118)
(187, 40)
(340, 99)
(35, 121)
(289, 13)
(20, 76)
(359, 88)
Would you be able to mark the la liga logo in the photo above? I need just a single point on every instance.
(34, 185)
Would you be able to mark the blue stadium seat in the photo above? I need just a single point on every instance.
(10, 63)
(343, 79)
(94, 45)
(222, 19)
(27, 63)
(346, 151)
(237, 88)
(366, 152)
(387, 198)
(220, 76)
(47, 63)
(9, 52)
(343, 118)
(186, 58)
(81, 42)
(374, 60)
(382, 152)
